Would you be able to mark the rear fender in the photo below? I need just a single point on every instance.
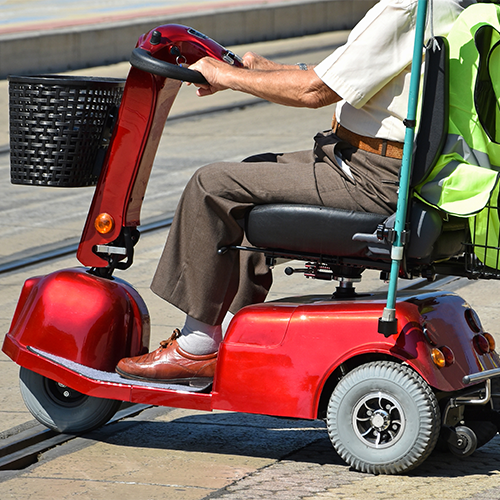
(285, 353)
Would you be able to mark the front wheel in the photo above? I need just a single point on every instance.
(383, 418)
(61, 408)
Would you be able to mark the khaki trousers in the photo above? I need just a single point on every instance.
(192, 276)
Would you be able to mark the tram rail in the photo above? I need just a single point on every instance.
(24, 449)
(65, 250)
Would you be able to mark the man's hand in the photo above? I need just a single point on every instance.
(213, 70)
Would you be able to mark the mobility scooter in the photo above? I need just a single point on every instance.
(391, 381)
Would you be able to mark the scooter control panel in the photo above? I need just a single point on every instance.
(183, 45)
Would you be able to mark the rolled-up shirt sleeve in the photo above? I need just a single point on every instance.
(378, 49)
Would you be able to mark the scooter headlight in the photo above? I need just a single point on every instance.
(104, 223)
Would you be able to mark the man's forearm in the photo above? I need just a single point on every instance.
(285, 85)
(288, 85)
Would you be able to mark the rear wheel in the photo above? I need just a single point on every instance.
(466, 442)
(383, 418)
(61, 408)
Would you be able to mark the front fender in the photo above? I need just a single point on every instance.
(81, 317)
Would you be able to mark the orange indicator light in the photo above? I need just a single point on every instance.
(104, 223)
(438, 357)
(490, 340)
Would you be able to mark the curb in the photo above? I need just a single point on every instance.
(88, 45)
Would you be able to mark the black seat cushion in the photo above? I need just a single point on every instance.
(310, 229)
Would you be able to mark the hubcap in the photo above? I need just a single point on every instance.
(378, 420)
(63, 395)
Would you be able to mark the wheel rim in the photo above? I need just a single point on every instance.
(378, 420)
(63, 395)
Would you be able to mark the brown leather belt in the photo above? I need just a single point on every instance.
(382, 147)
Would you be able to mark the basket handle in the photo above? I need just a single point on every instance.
(143, 60)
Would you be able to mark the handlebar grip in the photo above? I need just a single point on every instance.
(143, 60)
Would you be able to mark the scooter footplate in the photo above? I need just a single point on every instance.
(114, 378)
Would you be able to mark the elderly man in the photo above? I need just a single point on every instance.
(353, 166)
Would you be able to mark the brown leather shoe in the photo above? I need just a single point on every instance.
(169, 363)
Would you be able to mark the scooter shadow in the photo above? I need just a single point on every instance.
(275, 438)
(484, 462)
(221, 433)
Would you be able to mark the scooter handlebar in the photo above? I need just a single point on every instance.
(143, 60)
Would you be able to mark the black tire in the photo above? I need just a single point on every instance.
(466, 442)
(485, 431)
(383, 418)
(61, 408)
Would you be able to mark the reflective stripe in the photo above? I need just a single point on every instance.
(456, 144)
(462, 180)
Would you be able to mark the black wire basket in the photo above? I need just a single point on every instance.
(483, 249)
(60, 127)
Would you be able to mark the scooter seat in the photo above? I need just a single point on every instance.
(310, 229)
(307, 229)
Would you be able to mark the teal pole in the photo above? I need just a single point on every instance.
(388, 321)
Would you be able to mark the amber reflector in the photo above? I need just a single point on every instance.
(104, 223)
(438, 357)
(490, 340)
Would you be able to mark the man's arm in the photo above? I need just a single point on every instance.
(251, 60)
(282, 84)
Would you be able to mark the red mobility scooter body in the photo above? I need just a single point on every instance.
(262, 364)
(285, 358)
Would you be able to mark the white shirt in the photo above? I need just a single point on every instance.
(371, 72)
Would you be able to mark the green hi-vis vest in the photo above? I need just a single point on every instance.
(464, 181)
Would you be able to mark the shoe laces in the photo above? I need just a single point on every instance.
(175, 335)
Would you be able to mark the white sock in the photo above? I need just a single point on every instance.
(199, 338)
(225, 323)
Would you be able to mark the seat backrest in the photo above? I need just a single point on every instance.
(433, 123)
